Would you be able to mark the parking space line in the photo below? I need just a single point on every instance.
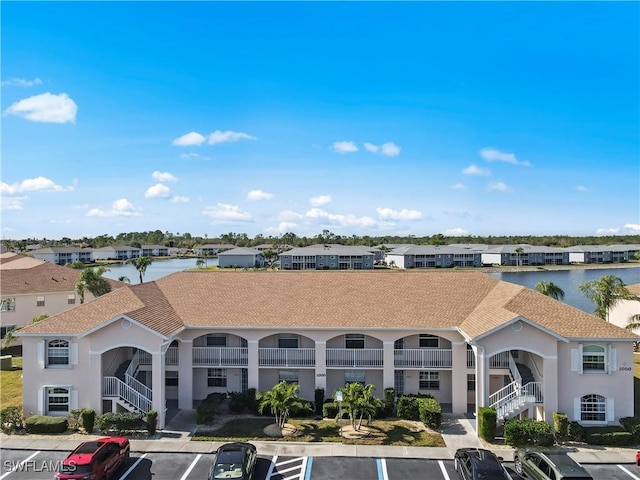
(621, 468)
(307, 468)
(193, 464)
(131, 468)
(381, 463)
(271, 467)
(444, 472)
(17, 467)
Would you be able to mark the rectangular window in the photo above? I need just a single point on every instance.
(216, 340)
(39, 301)
(6, 329)
(429, 341)
(170, 378)
(429, 380)
(71, 299)
(289, 376)
(593, 358)
(354, 376)
(287, 341)
(354, 340)
(7, 305)
(217, 377)
(57, 399)
(58, 352)
(471, 382)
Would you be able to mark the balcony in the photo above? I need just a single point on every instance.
(500, 360)
(220, 356)
(354, 357)
(423, 358)
(287, 357)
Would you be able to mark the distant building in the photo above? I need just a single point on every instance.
(116, 252)
(212, 249)
(328, 257)
(64, 255)
(240, 257)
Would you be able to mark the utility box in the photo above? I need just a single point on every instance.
(6, 362)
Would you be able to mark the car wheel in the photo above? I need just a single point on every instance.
(518, 464)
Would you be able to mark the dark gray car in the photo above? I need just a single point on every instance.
(548, 464)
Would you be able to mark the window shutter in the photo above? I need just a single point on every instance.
(580, 358)
(41, 353)
(576, 409)
(613, 365)
(73, 353)
(611, 410)
(73, 400)
(41, 394)
(575, 360)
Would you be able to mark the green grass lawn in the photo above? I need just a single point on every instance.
(381, 432)
(636, 383)
(11, 385)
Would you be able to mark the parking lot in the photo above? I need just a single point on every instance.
(30, 465)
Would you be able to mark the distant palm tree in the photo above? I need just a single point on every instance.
(91, 280)
(606, 293)
(199, 263)
(141, 264)
(519, 251)
(550, 289)
(634, 324)
(124, 278)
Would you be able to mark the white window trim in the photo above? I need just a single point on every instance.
(44, 399)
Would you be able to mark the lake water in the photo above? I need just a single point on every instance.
(567, 280)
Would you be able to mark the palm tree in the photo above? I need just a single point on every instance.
(141, 264)
(280, 400)
(91, 280)
(358, 401)
(199, 263)
(519, 251)
(606, 293)
(634, 324)
(550, 289)
(124, 278)
(9, 338)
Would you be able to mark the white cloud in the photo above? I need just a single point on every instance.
(12, 203)
(287, 215)
(371, 147)
(21, 82)
(475, 170)
(456, 232)
(119, 208)
(259, 195)
(282, 227)
(158, 191)
(227, 136)
(495, 155)
(607, 231)
(389, 149)
(500, 187)
(189, 139)
(344, 147)
(38, 184)
(339, 219)
(404, 214)
(581, 188)
(632, 227)
(180, 199)
(224, 211)
(459, 186)
(193, 155)
(164, 176)
(45, 107)
(320, 200)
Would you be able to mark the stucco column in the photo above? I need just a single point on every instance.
(321, 365)
(459, 377)
(158, 402)
(94, 394)
(388, 362)
(253, 370)
(550, 387)
(482, 377)
(185, 374)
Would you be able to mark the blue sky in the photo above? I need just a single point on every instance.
(505, 118)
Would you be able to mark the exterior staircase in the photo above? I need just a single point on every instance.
(519, 395)
(526, 375)
(127, 391)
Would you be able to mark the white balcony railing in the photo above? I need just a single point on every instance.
(287, 357)
(114, 387)
(171, 357)
(354, 357)
(220, 356)
(423, 358)
(500, 360)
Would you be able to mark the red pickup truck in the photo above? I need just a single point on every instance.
(95, 460)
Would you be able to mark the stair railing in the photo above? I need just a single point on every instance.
(114, 387)
(132, 382)
(513, 368)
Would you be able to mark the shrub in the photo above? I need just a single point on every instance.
(46, 424)
(11, 419)
(319, 400)
(575, 431)
(632, 424)
(73, 418)
(120, 421)
(430, 412)
(152, 422)
(330, 410)
(389, 402)
(239, 402)
(304, 410)
(407, 408)
(88, 419)
(606, 436)
(519, 433)
(487, 422)
(561, 425)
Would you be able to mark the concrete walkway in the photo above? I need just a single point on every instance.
(457, 432)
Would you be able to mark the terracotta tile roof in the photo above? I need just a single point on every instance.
(24, 275)
(634, 289)
(472, 301)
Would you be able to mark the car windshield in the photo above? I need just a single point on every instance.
(228, 465)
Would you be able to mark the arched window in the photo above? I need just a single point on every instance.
(593, 408)
(58, 352)
(593, 358)
(57, 399)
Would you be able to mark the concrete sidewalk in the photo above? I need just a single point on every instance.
(456, 431)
